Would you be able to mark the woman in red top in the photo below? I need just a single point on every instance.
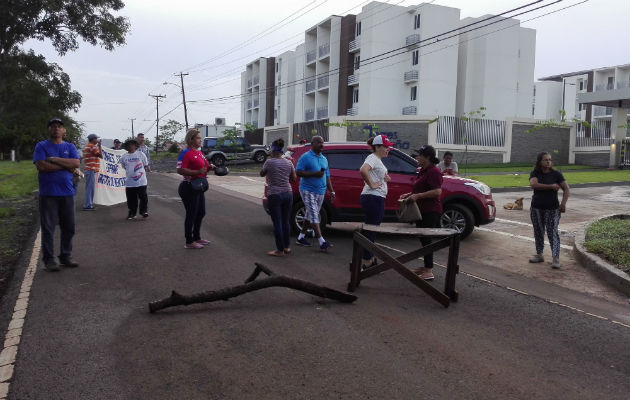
(426, 191)
(192, 164)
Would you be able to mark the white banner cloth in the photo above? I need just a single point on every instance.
(110, 181)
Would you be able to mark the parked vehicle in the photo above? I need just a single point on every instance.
(230, 150)
(467, 203)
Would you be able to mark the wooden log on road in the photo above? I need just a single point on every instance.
(251, 284)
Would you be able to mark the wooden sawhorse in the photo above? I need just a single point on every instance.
(446, 238)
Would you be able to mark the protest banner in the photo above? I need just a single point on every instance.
(110, 181)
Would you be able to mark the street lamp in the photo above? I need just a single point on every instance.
(183, 98)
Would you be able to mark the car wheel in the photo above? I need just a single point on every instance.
(298, 216)
(260, 157)
(458, 217)
(218, 160)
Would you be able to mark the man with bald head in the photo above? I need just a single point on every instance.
(312, 168)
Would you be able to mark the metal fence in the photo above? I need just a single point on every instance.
(474, 132)
(599, 134)
(624, 155)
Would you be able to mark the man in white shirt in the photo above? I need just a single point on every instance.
(136, 166)
(447, 165)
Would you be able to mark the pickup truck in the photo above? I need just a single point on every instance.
(229, 150)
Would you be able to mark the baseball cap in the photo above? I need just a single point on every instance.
(54, 121)
(117, 141)
(426, 151)
(92, 136)
(382, 140)
(140, 134)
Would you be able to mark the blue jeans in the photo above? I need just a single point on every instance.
(195, 205)
(53, 210)
(89, 189)
(374, 209)
(280, 209)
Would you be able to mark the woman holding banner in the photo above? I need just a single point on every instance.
(192, 165)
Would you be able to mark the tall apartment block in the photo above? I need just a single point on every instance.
(391, 60)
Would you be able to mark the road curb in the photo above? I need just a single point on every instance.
(574, 186)
(602, 268)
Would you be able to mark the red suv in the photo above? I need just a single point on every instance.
(466, 202)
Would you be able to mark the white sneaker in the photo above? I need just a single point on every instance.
(556, 263)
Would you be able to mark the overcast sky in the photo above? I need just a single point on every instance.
(213, 40)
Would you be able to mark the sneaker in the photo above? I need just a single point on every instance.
(146, 215)
(425, 273)
(67, 262)
(303, 242)
(537, 258)
(51, 266)
(88, 208)
(556, 263)
(193, 246)
(369, 263)
(325, 246)
(131, 217)
(202, 242)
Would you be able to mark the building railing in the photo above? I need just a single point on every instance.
(599, 134)
(411, 76)
(310, 85)
(599, 111)
(623, 85)
(355, 45)
(309, 115)
(412, 39)
(322, 112)
(324, 50)
(311, 56)
(322, 82)
(474, 132)
(410, 110)
(353, 79)
(602, 87)
(353, 111)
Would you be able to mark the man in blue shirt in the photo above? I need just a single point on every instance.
(56, 160)
(312, 168)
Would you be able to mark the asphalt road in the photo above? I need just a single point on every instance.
(88, 334)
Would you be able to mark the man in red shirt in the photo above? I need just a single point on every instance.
(92, 164)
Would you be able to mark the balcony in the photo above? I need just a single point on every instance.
(256, 80)
(309, 115)
(353, 111)
(324, 50)
(322, 82)
(410, 110)
(412, 40)
(311, 56)
(353, 79)
(355, 45)
(602, 111)
(322, 112)
(256, 103)
(411, 76)
(604, 87)
(309, 86)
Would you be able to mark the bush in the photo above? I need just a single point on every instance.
(610, 238)
(174, 148)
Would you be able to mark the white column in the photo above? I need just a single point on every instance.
(617, 133)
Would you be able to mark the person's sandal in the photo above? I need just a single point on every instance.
(287, 251)
(275, 253)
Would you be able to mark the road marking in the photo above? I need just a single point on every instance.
(524, 224)
(512, 235)
(251, 180)
(14, 331)
(518, 291)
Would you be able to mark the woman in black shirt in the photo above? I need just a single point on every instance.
(545, 209)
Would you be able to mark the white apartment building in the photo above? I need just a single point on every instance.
(420, 77)
(391, 60)
(495, 68)
(257, 92)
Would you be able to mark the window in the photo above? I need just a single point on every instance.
(533, 109)
(414, 57)
(210, 142)
(357, 29)
(355, 95)
(399, 163)
(275, 113)
(582, 107)
(534, 90)
(357, 62)
(416, 21)
(347, 159)
(611, 83)
(275, 90)
(414, 93)
(277, 67)
(581, 85)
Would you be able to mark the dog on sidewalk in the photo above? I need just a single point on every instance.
(517, 205)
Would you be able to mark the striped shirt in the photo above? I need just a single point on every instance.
(278, 172)
(91, 157)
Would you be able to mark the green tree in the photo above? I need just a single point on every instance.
(169, 130)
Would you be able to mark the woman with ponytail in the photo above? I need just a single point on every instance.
(426, 191)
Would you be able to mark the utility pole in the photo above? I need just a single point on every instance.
(181, 77)
(157, 98)
(132, 134)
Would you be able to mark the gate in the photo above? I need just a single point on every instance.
(624, 155)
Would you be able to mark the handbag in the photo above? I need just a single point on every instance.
(199, 184)
(408, 211)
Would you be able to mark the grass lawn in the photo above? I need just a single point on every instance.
(572, 177)
(17, 179)
(610, 239)
(513, 167)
